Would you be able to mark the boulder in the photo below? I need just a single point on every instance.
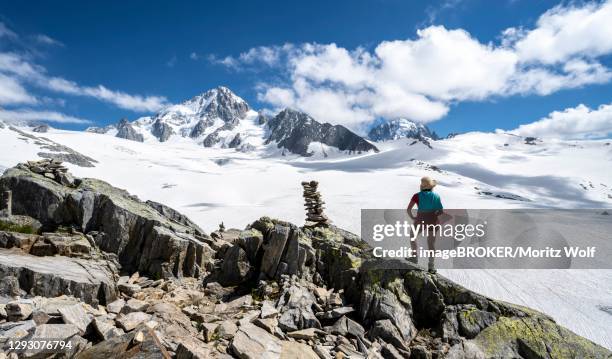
(15, 329)
(472, 320)
(88, 280)
(295, 305)
(144, 238)
(250, 241)
(105, 328)
(23, 241)
(63, 332)
(252, 342)
(269, 324)
(116, 306)
(236, 268)
(273, 248)
(306, 334)
(77, 316)
(134, 305)
(126, 346)
(226, 329)
(18, 311)
(131, 320)
(291, 350)
(387, 331)
(268, 310)
(346, 326)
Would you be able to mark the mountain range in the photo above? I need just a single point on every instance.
(234, 184)
(220, 118)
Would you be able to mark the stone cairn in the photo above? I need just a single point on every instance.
(314, 205)
(51, 169)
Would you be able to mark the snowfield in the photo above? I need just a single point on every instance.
(474, 170)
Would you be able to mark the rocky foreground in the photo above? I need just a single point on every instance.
(84, 262)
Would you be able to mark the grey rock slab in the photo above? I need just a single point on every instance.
(77, 316)
(131, 320)
(16, 311)
(54, 276)
(16, 329)
(268, 310)
(273, 249)
(387, 331)
(269, 324)
(105, 328)
(252, 342)
(336, 313)
(297, 350)
(115, 306)
(226, 329)
(345, 326)
(307, 334)
(134, 305)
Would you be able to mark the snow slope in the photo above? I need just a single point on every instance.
(475, 170)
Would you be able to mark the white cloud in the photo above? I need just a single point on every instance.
(565, 32)
(13, 65)
(33, 115)
(421, 78)
(47, 40)
(227, 61)
(194, 56)
(261, 55)
(172, 61)
(572, 123)
(11, 92)
(5, 31)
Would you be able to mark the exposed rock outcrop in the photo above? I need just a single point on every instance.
(272, 290)
(161, 130)
(295, 131)
(400, 128)
(90, 280)
(126, 130)
(142, 237)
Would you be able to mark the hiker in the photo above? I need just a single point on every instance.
(429, 208)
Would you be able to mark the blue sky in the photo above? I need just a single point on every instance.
(175, 50)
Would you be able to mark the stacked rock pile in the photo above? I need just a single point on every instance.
(51, 169)
(314, 204)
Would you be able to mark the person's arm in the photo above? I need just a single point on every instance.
(413, 201)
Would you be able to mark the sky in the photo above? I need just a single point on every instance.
(534, 67)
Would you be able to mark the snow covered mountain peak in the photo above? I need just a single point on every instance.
(219, 118)
(219, 102)
(400, 128)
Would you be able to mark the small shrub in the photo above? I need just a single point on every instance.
(11, 227)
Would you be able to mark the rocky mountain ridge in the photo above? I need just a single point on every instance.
(296, 132)
(271, 290)
(219, 118)
(400, 128)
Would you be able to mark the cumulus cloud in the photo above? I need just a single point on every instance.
(565, 32)
(421, 78)
(33, 115)
(578, 122)
(16, 69)
(11, 92)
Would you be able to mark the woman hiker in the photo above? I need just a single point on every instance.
(429, 208)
